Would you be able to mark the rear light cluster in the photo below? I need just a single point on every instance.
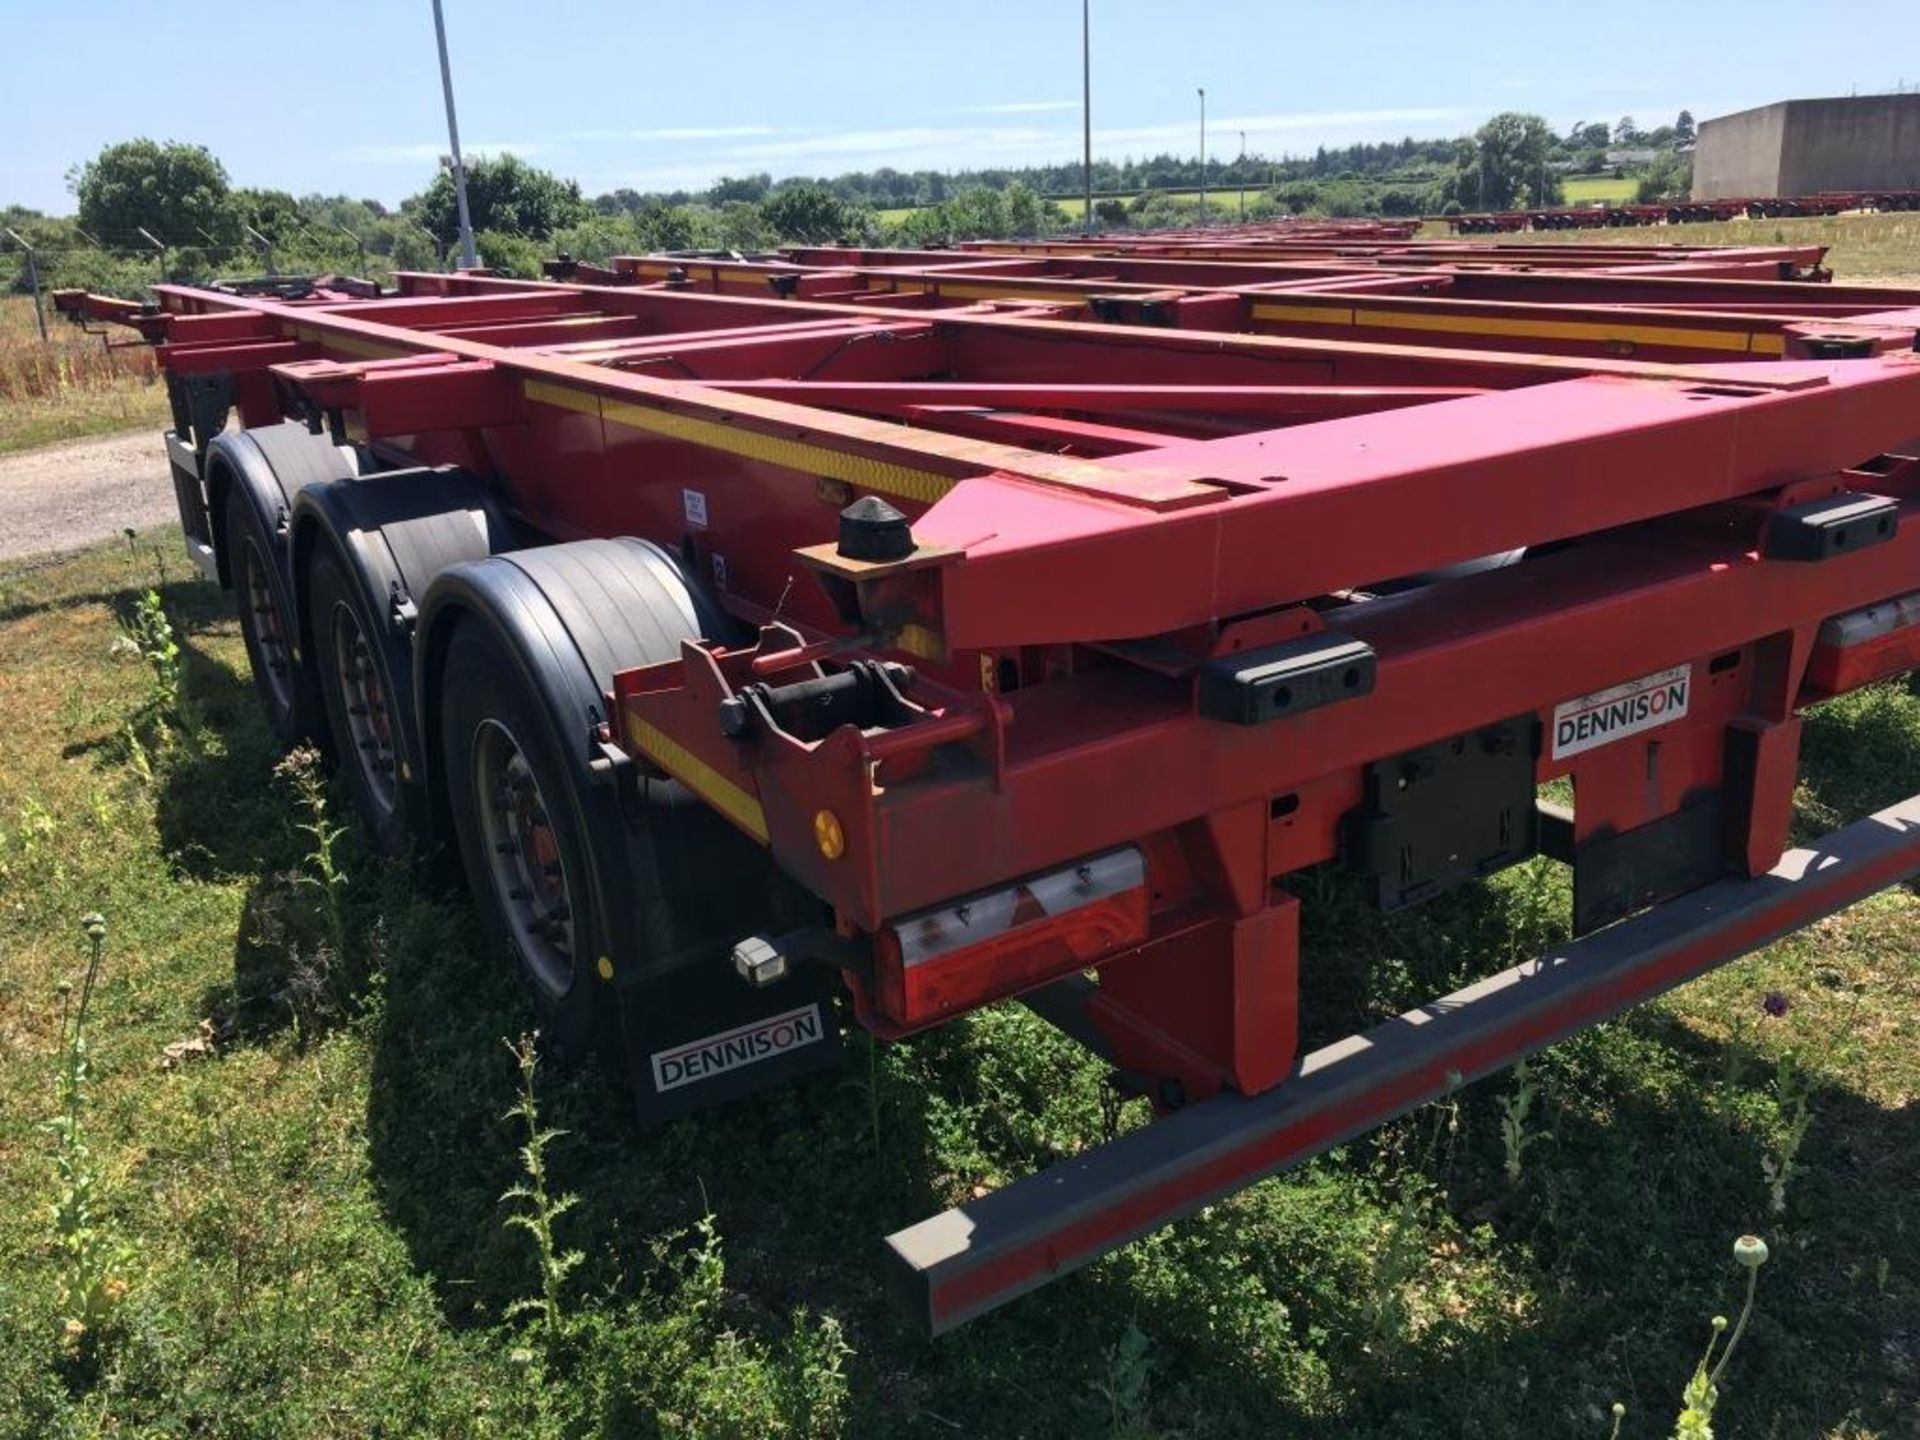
(955, 956)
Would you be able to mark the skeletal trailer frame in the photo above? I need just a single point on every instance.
(1197, 585)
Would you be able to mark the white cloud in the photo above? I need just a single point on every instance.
(418, 151)
(658, 160)
(678, 132)
(1019, 107)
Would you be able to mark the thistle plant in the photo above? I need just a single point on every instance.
(1792, 1092)
(539, 1207)
(1514, 1110)
(91, 1282)
(148, 633)
(301, 768)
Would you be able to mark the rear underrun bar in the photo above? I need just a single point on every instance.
(975, 1257)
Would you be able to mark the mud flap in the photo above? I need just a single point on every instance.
(699, 1036)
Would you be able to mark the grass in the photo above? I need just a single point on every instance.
(70, 385)
(1861, 247)
(1221, 204)
(304, 1142)
(1585, 189)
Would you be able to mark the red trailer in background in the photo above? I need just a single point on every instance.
(847, 637)
(1678, 212)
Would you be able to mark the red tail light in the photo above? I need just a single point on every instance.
(958, 955)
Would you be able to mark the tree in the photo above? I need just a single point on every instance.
(1503, 164)
(1626, 132)
(666, 227)
(505, 195)
(1683, 129)
(513, 255)
(807, 214)
(274, 213)
(752, 188)
(176, 191)
(1023, 211)
(743, 227)
(1668, 178)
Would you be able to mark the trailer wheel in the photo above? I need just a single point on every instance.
(361, 702)
(285, 686)
(514, 806)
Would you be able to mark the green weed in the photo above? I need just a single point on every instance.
(91, 1268)
(538, 1206)
(303, 770)
(1515, 1137)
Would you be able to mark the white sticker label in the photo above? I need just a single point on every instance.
(748, 1044)
(1620, 711)
(695, 504)
(719, 572)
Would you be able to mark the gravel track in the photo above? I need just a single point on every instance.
(64, 497)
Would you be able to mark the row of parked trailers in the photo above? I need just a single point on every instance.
(838, 637)
(1603, 217)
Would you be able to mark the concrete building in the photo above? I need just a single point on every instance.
(1798, 147)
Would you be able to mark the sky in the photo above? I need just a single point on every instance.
(655, 96)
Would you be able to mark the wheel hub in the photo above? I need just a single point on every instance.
(269, 634)
(369, 713)
(523, 856)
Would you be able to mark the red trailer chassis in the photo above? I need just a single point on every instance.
(1679, 212)
(1026, 644)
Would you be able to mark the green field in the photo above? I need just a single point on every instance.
(1221, 204)
(1586, 189)
(1860, 247)
(302, 1197)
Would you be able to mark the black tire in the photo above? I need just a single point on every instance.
(362, 709)
(284, 684)
(488, 720)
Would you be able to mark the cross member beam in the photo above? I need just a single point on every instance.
(975, 1257)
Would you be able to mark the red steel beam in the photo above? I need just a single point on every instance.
(965, 1261)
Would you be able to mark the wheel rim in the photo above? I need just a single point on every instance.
(369, 713)
(523, 856)
(269, 632)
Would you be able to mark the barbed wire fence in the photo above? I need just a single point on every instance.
(63, 255)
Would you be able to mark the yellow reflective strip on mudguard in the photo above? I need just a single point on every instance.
(698, 776)
(922, 486)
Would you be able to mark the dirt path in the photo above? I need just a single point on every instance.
(62, 497)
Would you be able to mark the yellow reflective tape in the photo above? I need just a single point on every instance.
(1758, 342)
(349, 343)
(919, 640)
(1000, 292)
(862, 471)
(701, 778)
(1312, 314)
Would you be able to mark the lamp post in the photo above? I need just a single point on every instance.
(1203, 155)
(1086, 111)
(1240, 183)
(468, 258)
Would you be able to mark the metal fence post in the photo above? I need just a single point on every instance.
(33, 282)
